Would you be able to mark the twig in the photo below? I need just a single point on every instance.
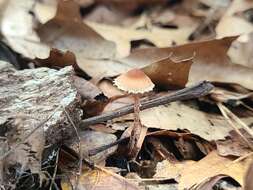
(29, 135)
(195, 91)
(107, 146)
(246, 106)
(224, 111)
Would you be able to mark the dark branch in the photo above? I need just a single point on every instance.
(195, 91)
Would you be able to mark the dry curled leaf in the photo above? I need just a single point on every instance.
(57, 59)
(169, 74)
(210, 61)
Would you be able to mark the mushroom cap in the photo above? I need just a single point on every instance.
(134, 81)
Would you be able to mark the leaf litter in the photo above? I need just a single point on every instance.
(194, 135)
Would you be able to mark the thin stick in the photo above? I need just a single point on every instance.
(234, 117)
(195, 91)
(246, 106)
(224, 113)
(107, 146)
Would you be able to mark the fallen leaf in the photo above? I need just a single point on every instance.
(232, 146)
(170, 170)
(17, 27)
(158, 36)
(106, 15)
(101, 68)
(57, 58)
(85, 88)
(108, 89)
(178, 115)
(66, 31)
(45, 10)
(213, 165)
(189, 173)
(200, 51)
(241, 51)
(169, 74)
(231, 24)
(94, 139)
(210, 61)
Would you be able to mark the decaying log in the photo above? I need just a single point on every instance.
(27, 98)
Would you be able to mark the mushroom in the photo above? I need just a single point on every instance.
(135, 82)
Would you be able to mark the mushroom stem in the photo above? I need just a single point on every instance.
(136, 109)
(138, 132)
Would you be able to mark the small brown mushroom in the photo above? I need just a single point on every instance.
(135, 82)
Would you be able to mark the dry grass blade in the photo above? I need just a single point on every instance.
(239, 121)
(228, 115)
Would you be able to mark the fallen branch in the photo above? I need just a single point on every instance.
(195, 91)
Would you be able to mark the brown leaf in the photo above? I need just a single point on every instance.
(57, 59)
(210, 61)
(201, 51)
(213, 165)
(169, 74)
(190, 173)
(66, 31)
(232, 146)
